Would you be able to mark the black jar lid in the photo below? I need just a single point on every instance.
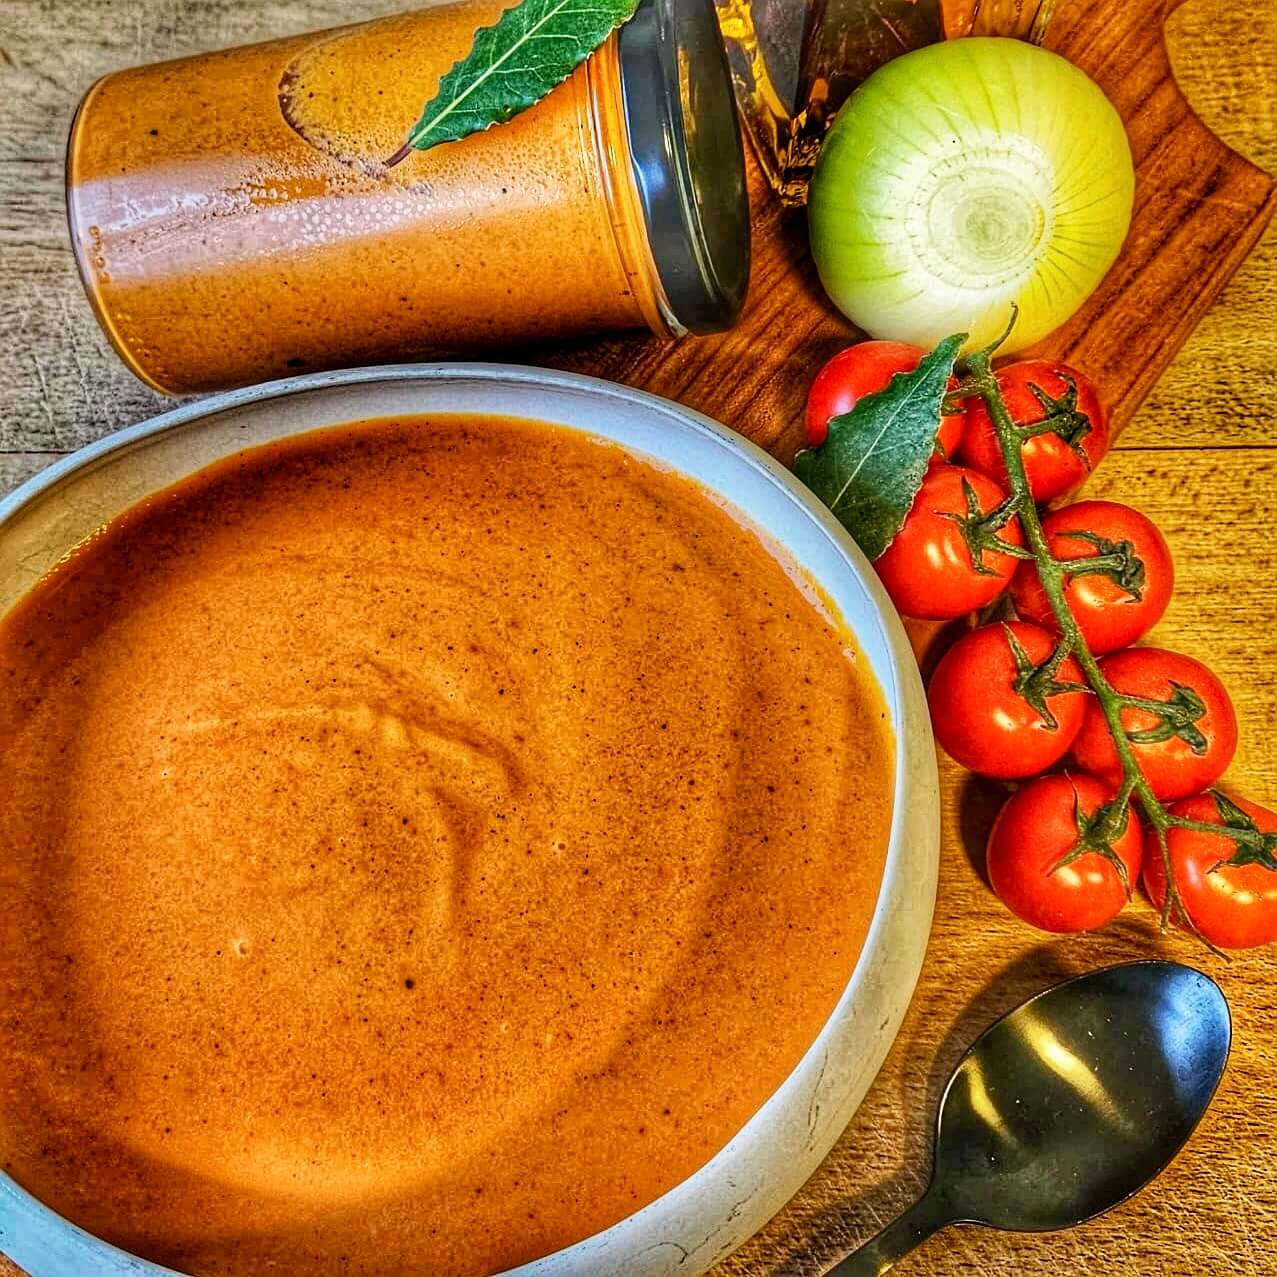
(685, 148)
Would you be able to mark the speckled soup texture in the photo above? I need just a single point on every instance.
(425, 844)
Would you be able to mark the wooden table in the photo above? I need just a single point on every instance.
(1200, 458)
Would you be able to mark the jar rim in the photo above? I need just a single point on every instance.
(688, 160)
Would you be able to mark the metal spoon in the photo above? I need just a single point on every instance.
(1067, 1106)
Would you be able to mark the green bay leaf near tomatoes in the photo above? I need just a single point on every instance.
(871, 466)
(513, 64)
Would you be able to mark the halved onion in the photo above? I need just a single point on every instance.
(965, 176)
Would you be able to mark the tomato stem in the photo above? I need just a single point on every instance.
(978, 379)
(1245, 837)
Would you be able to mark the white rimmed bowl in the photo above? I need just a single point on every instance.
(699, 1221)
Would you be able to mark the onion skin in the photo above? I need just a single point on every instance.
(964, 177)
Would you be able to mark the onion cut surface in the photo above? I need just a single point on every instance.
(965, 176)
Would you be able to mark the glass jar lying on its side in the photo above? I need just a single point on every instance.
(234, 219)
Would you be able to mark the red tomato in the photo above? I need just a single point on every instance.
(1233, 906)
(864, 370)
(1109, 614)
(1034, 831)
(985, 723)
(928, 569)
(1183, 763)
(1052, 465)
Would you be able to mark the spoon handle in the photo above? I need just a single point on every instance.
(926, 1216)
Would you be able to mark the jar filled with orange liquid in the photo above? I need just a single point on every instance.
(234, 218)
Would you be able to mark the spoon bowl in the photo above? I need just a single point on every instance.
(1068, 1105)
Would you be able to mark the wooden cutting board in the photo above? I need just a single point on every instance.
(1199, 208)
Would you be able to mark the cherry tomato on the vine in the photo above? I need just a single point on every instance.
(1233, 906)
(1112, 608)
(994, 712)
(931, 570)
(1182, 751)
(864, 370)
(1037, 828)
(1054, 462)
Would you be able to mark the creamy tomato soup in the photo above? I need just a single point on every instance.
(423, 843)
(234, 222)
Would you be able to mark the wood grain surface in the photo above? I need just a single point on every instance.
(1200, 457)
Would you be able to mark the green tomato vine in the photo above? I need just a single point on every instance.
(1177, 714)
